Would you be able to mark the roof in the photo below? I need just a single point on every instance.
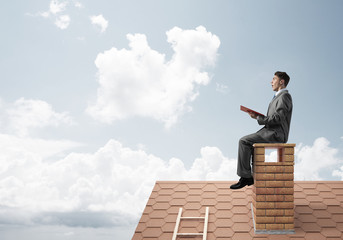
(318, 211)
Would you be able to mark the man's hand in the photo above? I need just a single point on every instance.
(253, 115)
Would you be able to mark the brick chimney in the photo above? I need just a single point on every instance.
(273, 191)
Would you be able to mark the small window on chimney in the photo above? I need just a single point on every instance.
(271, 155)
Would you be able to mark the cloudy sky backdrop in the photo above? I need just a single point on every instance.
(99, 99)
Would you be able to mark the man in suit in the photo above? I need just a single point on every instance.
(275, 130)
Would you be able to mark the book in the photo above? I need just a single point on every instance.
(245, 109)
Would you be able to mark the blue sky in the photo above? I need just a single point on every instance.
(99, 99)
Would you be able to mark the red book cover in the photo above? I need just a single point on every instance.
(245, 109)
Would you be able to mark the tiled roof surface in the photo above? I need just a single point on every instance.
(318, 211)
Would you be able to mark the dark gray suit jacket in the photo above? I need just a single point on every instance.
(278, 119)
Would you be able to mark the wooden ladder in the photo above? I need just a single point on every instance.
(179, 218)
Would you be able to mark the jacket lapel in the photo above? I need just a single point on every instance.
(270, 104)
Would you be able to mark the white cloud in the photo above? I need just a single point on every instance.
(314, 162)
(140, 82)
(44, 14)
(338, 173)
(56, 6)
(100, 21)
(111, 186)
(26, 114)
(62, 21)
(221, 88)
(311, 161)
(78, 4)
(22, 173)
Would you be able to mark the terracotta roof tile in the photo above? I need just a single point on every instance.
(162, 198)
(180, 195)
(306, 218)
(331, 232)
(240, 202)
(193, 198)
(331, 202)
(326, 223)
(339, 226)
(152, 232)
(153, 223)
(192, 205)
(314, 236)
(337, 191)
(278, 237)
(171, 218)
(209, 202)
(148, 210)
(181, 188)
(195, 191)
(240, 218)
(321, 187)
(299, 232)
(311, 191)
(339, 198)
(137, 236)
(301, 201)
(160, 214)
(161, 205)
(310, 227)
(241, 227)
(318, 206)
(178, 202)
(210, 188)
(168, 227)
(240, 236)
(338, 218)
(172, 210)
(321, 214)
(224, 214)
(144, 218)
(335, 209)
(302, 209)
(224, 191)
(298, 188)
(327, 195)
(223, 232)
(196, 185)
(318, 212)
(212, 195)
(166, 185)
(309, 184)
(166, 191)
(314, 198)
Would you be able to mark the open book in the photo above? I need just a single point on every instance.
(245, 109)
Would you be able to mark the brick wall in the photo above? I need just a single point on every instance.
(273, 191)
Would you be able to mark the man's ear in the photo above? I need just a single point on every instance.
(282, 82)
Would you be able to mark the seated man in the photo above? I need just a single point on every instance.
(275, 130)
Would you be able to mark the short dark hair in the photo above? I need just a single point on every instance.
(283, 75)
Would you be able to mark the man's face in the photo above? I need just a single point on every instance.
(277, 84)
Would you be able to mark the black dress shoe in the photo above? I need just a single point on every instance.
(242, 183)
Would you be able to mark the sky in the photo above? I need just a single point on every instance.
(100, 99)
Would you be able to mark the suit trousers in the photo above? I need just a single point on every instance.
(245, 149)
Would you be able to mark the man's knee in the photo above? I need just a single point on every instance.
(245, 140)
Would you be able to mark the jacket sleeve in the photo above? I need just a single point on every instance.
(283, 106)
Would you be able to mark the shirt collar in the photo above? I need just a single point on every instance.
(281, 90)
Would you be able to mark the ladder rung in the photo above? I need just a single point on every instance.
(190, 234)
(178, 219)
(192, 217)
